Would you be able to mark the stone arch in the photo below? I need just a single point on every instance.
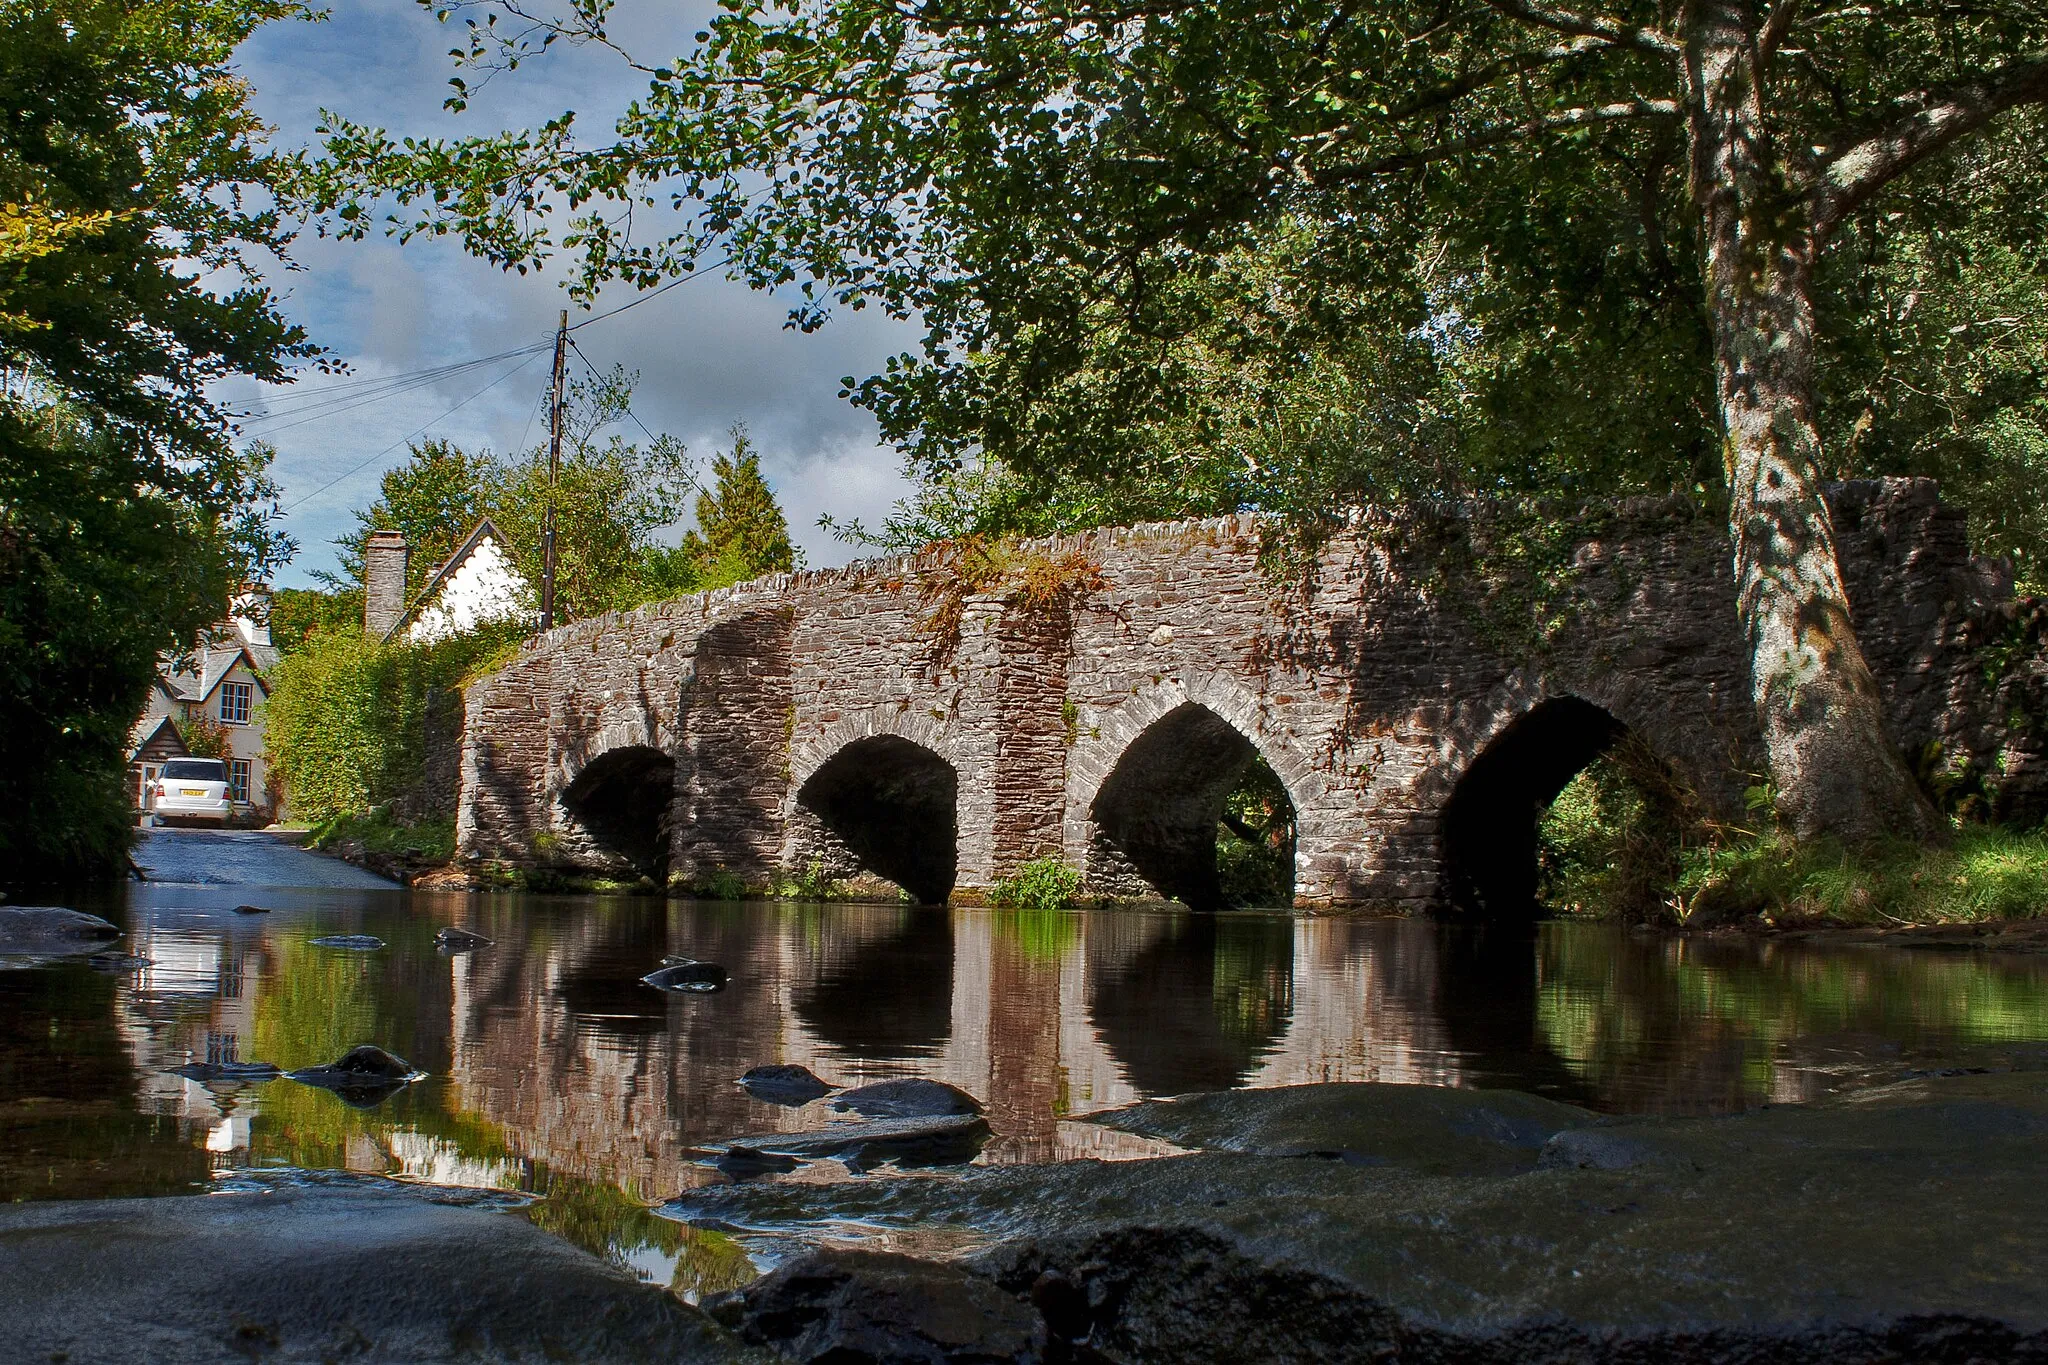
(1511, 762)
(617, 809)
(1153, 818)
(883, 805)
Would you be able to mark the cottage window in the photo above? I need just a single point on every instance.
(234, 703)
(238, 779)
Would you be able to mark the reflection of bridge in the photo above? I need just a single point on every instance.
(1038, 1019)
(1099, 701)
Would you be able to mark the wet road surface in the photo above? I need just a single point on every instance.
(243, 857)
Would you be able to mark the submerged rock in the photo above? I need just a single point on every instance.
(945, 1140)
(700, 978)
(306, 1275)
(360, 943)
(792, 1085)
(1430, 1128)
(229, 1072)
(747, 1163)
(119, 962)
(252, 909)
(909, 1097)
(874, 1306)
(455, 939)
(51, 931)
(364, 1078)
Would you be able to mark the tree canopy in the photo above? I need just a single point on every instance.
(133, 191)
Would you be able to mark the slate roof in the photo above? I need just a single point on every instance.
(211, 663)
(147, 729)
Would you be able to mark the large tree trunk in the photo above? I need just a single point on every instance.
(1819, 708)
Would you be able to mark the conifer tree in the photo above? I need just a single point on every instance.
(741, 532)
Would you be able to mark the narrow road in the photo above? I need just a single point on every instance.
(243, 857)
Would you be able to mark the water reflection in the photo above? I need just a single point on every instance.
(552, 1069)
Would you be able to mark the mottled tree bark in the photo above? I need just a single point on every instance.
(1819, 708)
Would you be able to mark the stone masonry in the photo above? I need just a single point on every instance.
(1421, 684)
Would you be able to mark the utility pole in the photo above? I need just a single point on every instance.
(547, 522)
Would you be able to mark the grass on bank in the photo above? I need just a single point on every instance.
(1622, 842)
(424, 841)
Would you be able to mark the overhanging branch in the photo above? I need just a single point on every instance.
(1859, 171)
(1562, 121)
(1588, 26)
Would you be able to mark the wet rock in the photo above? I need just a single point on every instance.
(119, 962)
(792, 1085)
(700, 978)
(306, 1275)
(252, 909)
(946, 1140)
(1423, 1127)
(1902, 1223)
(359, 943)
(910, 1097)
(749, 1163)
(364, 1079)
(851, 1306)
(231, 1073)
(51, 931)
(455, 939)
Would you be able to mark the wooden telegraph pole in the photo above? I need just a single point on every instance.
(547, 524)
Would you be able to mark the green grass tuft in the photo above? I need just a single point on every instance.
(1986, 873)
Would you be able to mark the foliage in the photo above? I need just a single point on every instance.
(298, 614)
(1988, 872)
(741, 533)
(610, 497)
(1255, 840)
(345, 722)
(1041, 884)
(1612, 841)
(130, 165)
(206, 737)
(433, 499)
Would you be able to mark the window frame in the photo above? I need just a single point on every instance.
(241, 776)
(245, 693)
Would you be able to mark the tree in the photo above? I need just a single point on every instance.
(741, 532)
(129, 170)
(434, 499)
(1047, 187)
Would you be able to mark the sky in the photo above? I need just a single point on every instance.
(709, 353)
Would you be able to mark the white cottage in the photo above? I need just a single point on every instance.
(477, 586)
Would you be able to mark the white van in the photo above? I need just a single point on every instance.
(193, 789)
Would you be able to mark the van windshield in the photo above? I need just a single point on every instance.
(196, 770)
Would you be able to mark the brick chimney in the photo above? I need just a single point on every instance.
(383, 582)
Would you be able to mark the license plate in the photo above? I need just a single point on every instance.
(192, 791)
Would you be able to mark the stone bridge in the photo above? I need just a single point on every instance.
(1421, 685)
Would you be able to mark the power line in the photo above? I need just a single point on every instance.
(362, 383)
(357, 469)
(600, 379)
(636, 301)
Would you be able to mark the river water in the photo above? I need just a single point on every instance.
(553, 1071)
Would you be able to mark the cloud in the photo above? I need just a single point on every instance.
(709, 353)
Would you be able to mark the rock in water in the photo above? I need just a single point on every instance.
(365, 1078)
(699, 978)
(304, 1275)
(458, 940)
(238, 1073)
(359, 943)
(745, 1163)
(252, 909)
(51, 929)
(119, 962)
(908, 1098)
(785, 1084)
